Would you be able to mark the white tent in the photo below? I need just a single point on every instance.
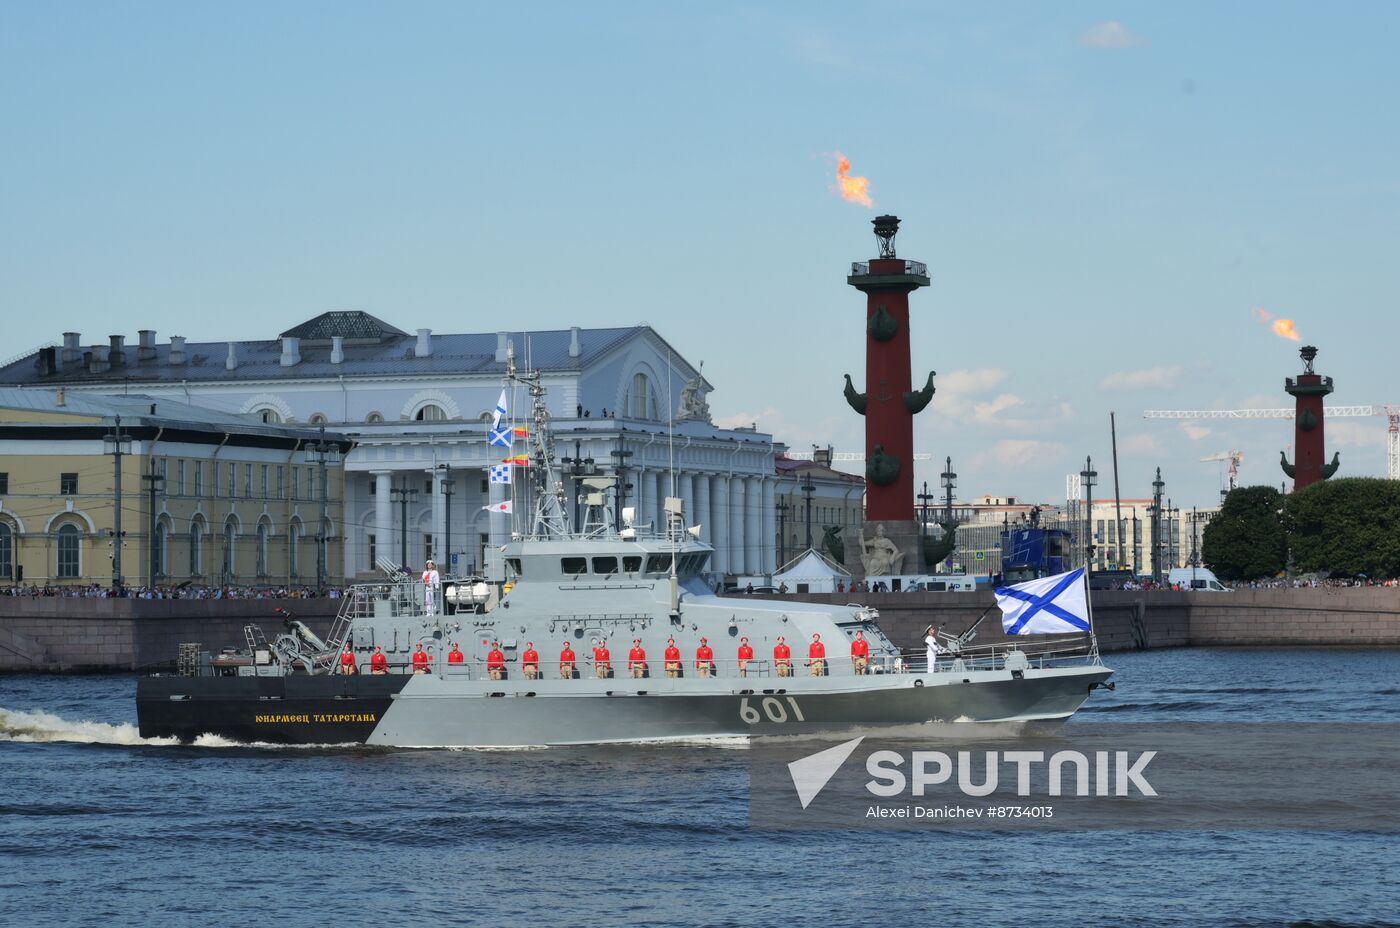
(812, 572)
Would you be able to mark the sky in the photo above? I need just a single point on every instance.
(1104, 194)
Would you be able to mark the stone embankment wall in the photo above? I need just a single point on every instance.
(62, 634)
(45, 635)
(1129, 620)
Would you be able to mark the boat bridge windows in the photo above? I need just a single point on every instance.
(606, 566)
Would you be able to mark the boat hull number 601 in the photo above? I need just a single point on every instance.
(773, 709)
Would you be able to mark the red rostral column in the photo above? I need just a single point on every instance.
(1308, 389)
(889, 402)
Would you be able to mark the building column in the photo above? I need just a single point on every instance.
(701, 516)
(719, 510)
(651, 506)
(736, 525)
(685, 489)
(500, 527)
(753, 524)
(769, 523)
(439, 519)
(383, 514)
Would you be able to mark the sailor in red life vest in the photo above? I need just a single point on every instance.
(347, 661)
(860, 653)
(704, 658)
(673, 659)
(602, 660)
(637, 659)
(455, 656)
(745, 655)
(782, 657)
(816, 655)
(378, 663)
(432, 585)
(566, 662)
(530, 661)
(420, 659)
(496, 662)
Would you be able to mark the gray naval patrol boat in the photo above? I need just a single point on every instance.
(581, 589)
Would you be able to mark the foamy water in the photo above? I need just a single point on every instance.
(40, 726)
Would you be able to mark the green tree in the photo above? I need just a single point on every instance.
(1346, 527)
(1246, 539)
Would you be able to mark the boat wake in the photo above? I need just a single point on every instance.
(41, 727)
(44, 727)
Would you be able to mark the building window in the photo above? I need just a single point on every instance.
(296, 483)
(375, 417)
(196, 548)
(294, 543)
(160, 550)
(373, 486)
(431, 413)
(180, 477)
(264, 481)
(640, 402)
(427, 548)
(68, 486)
(232, 480)
(230, 558)
(4, 484)
(281, 481)
(271, 416)
(263, 531)
(7, 552)
(373, 553)
(69, 551)
(317, 418)
(247, 481)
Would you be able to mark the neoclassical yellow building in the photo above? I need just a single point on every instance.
(206, 497)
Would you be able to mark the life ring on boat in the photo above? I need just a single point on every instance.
(918, 682)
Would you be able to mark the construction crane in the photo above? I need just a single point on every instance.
(1234, 457)
(1392, 446)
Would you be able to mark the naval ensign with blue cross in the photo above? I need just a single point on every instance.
(1048, 606)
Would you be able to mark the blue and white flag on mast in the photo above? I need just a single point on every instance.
(499, 411)
(1048, 606)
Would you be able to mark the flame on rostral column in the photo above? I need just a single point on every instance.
(1283, 328)
(853, 189)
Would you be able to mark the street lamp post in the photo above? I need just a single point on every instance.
(154, 482)
(948, 480)
(782, 508)
(1156, 528)
(578, 467)
(320, 453)
(1088, 476)
(808, 489)
(924, 499)
(620, 455)
(117, 444)
(403, 495)
(448, 485)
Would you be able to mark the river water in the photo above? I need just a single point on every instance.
(98, 827)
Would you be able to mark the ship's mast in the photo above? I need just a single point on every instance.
(551, 517)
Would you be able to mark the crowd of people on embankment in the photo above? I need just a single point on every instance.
(97, 591)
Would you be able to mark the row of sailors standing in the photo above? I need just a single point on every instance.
(636, 659)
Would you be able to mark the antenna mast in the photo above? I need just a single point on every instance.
(551, 515)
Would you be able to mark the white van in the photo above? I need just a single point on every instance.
(926, 583)
(1197, 580)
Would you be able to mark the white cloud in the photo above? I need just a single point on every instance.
(987, 412)
(1194, 431)
(1017, 452)
(1143, 446)
(1111, 34)
(1359, 433)
(955, 392)
(1145, 379)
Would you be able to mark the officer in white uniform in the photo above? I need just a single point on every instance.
(432, 584)
(931, 640)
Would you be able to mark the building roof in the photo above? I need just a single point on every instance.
(791, 467)
(372, 348)
(137, 412)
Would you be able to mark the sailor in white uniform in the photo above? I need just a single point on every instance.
(931, 640)
(432, 584)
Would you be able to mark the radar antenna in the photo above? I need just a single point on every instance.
(551, 516)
